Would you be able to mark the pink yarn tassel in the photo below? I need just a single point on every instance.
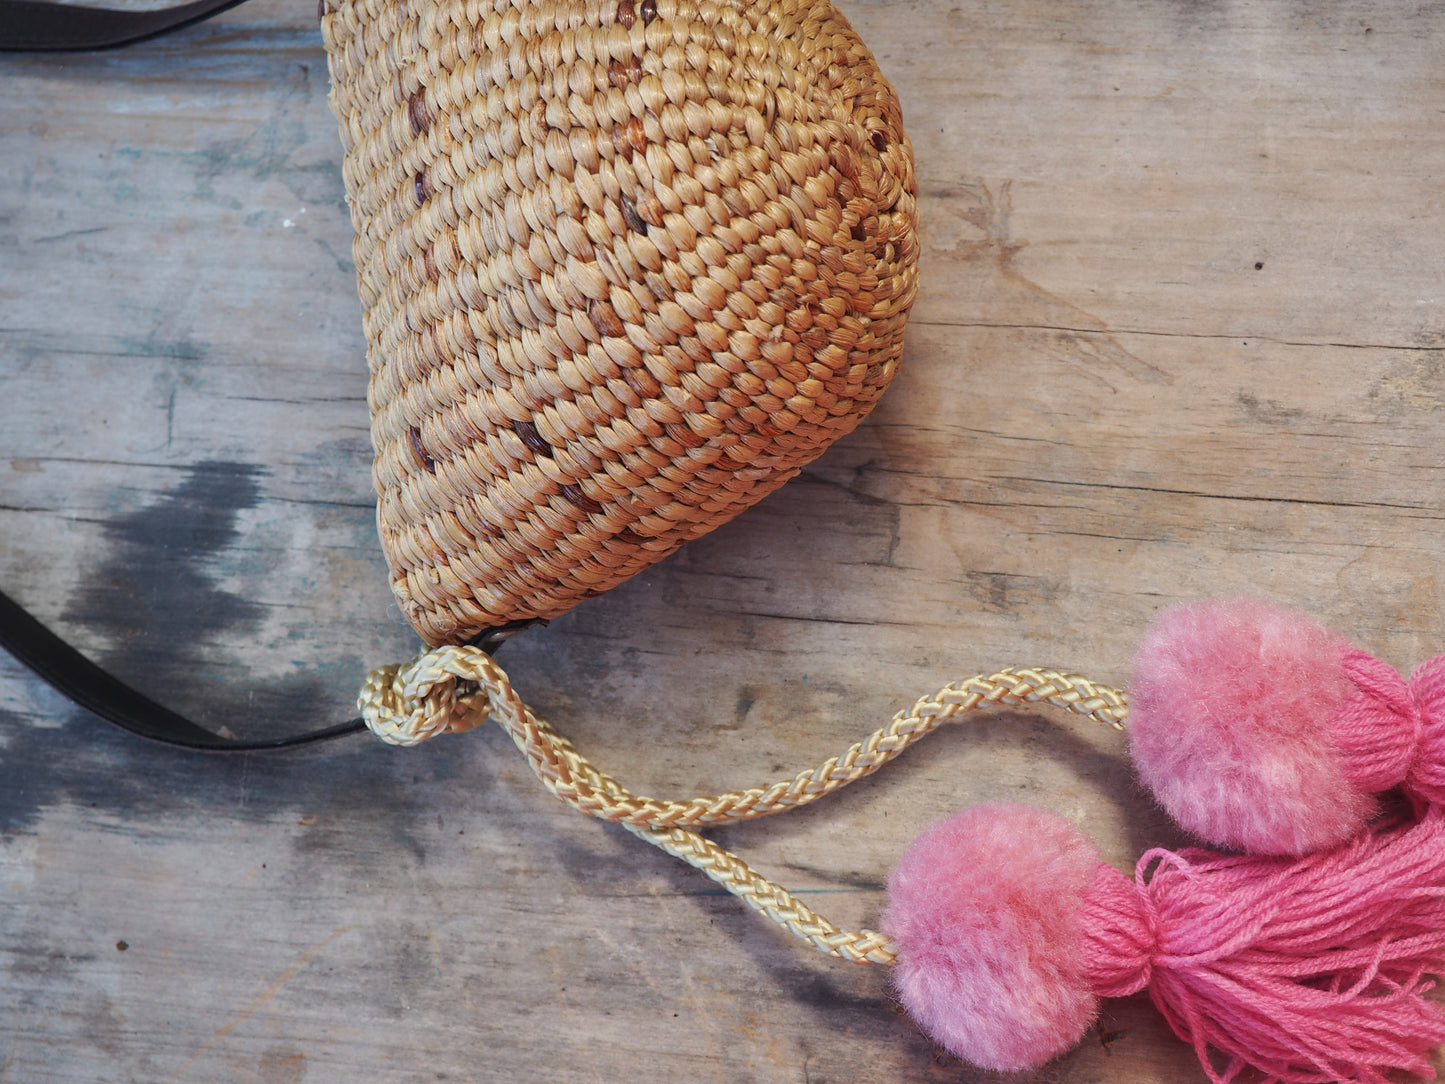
(1307, 970)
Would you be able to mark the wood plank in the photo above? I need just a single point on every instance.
(1180, 334)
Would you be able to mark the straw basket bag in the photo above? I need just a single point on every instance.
(626, 266)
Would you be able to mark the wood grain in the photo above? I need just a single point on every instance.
(1180, 334)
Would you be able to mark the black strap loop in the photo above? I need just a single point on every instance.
(83, 683)
(26, 25)
(32, 26)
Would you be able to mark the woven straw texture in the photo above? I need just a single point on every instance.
(626, 266)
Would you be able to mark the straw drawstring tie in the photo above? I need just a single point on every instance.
(1305, 969)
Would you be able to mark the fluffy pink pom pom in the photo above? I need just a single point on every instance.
(1231, 725)
(985, 911)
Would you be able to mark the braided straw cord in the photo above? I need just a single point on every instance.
(625, 267)
(762, 895)
(454, 689)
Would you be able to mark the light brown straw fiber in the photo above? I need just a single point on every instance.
(626, 266)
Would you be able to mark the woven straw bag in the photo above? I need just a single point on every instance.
(625, 269)
(626, 266)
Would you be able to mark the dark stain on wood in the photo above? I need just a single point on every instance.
(155, 603)
(156, 574)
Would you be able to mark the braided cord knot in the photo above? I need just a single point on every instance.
(438, 692)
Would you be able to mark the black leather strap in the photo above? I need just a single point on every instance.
(41, 27)
(82, 682)
(32, 26)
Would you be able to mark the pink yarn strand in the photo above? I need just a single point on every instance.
(1307, 971)
(1426, 777)
(1268, 1027)
(1377, 729)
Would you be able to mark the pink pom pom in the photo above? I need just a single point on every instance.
(984, 909)
(1230, 724)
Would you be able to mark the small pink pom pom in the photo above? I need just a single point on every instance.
(985, 911)
(1230, 722)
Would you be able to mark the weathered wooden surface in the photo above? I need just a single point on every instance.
(1180, 334)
